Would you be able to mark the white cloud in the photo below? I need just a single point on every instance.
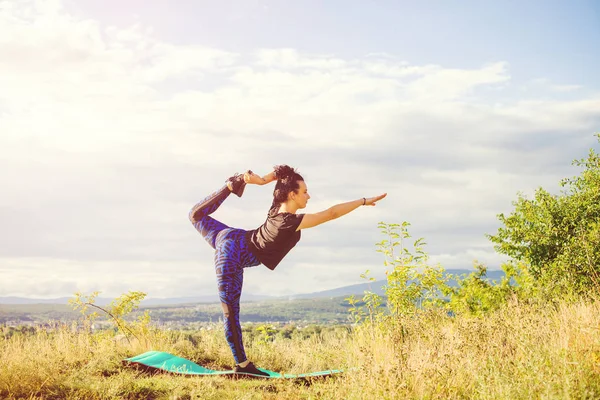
(292, 59)
(109, 135)
(452, 84)
(547, 84)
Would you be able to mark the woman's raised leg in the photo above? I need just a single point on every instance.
(199, 215)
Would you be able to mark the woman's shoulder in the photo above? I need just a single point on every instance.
(280, 215)
(284, 214)
(285, 218)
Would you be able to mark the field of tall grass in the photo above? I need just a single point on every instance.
(518, 352)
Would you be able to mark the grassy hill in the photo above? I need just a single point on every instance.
(520, 351)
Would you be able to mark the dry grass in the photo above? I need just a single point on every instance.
(519, 352)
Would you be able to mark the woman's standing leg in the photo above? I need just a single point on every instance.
(231, 256)
(230, 278)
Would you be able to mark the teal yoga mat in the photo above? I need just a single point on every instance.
(170, 363)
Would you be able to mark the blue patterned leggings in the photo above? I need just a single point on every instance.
(231, 257)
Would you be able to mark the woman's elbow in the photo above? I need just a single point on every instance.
(332, 214)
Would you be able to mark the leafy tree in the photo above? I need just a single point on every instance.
(118, 309)
(412, 284)
(477, 295)
(558, 236)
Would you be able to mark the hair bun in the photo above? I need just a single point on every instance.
(287, 182)
(284, 171)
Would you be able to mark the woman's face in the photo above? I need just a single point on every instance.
(301, 195)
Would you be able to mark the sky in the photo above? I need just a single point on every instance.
(117, 117)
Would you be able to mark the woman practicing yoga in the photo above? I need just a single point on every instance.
(236, 249)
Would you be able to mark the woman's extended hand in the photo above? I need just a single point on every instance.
(370, 201)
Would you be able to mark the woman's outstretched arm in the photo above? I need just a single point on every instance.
(311, 220)
(254, 179)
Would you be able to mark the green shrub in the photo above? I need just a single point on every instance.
(558, 237)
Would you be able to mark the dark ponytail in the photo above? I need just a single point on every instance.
(287, 182)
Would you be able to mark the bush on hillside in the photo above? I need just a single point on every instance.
(558, 236)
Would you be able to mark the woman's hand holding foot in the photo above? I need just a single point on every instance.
(254, 179)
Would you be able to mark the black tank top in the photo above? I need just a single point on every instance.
(271, 241)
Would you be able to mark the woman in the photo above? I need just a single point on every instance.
(236, 249)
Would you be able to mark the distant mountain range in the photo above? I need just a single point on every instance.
(377, 286)
(358, 289)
